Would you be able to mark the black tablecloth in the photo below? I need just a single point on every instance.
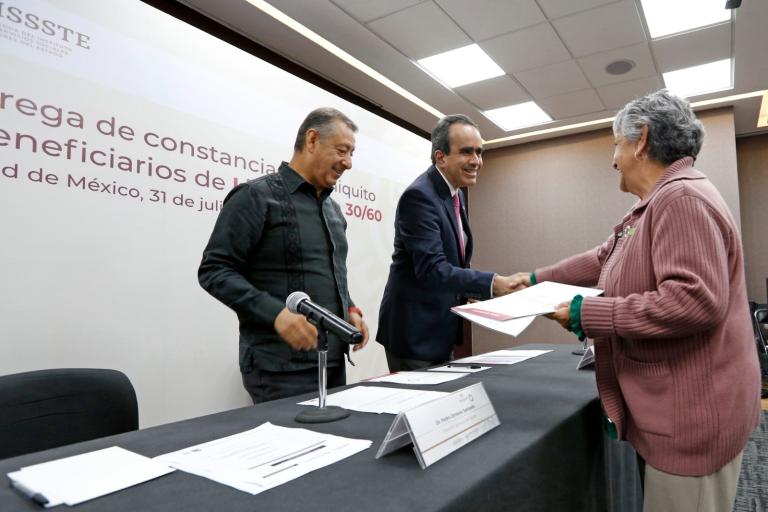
(546, 455)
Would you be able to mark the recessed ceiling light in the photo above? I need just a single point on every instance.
(665, 17)
(620, 67)
(461, 66)
(696, 80)
(517, 116)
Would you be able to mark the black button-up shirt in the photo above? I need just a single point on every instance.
(274, 236)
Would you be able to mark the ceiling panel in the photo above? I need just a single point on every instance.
(616, 96)
(501, 91)
(553, 80)
(572, 104)
(693, 48)
(368, 10)
(420, 31)
(483, 19)
(538, 57)
(559, 8)
(604, 28)
(594, 65)
(529, 48)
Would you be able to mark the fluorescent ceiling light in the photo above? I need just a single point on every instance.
(608, 121)
(762, 119)
(696, 80)
(341, 54)
(461, 66)
(665, 17)
(518, 116)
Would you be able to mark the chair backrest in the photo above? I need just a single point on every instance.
(759, 314)
(49, 408)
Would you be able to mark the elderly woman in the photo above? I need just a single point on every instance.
(676, 366)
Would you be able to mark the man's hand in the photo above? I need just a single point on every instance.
(357, 321)
(296, 330)
(503, 285)
(562, 315)
(521, 280)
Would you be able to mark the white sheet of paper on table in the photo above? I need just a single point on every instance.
(502, 357)
(460, 368)
(416, 378)
(264, 457)
(83, 477)
(378, 399)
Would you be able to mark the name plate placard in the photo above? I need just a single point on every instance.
(442, 426)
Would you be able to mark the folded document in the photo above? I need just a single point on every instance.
(80, 478)
(513, 313)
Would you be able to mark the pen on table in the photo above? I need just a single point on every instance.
(470, 366)
(29, 493)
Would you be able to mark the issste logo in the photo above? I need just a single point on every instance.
(51, 28)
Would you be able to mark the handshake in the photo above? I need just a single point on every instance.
(503, 285)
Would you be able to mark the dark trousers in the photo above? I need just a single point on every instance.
(401, 364)
(264, 386)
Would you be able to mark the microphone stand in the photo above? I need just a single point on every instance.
(321, 413)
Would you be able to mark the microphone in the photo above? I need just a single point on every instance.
(299, 303)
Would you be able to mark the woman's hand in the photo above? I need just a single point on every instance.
(562, 315)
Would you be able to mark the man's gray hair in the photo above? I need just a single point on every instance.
(440, 133)
(322, 120)
(673, 130)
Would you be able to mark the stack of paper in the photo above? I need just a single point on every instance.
(264, 457)
(80, 478)
(378, 399)
(513, 313)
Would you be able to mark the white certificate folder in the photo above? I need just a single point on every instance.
(513, 313)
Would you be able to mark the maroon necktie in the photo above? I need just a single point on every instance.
(457, 210)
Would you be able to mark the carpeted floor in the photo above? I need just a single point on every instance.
(752, 493)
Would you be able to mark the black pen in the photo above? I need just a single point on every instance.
(29, 493)
(470, 366)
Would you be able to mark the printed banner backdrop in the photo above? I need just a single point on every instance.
(121, 131)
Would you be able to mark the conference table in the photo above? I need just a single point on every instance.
(547, 455)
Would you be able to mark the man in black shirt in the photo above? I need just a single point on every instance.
(283, 233)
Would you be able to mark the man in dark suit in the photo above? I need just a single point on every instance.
(433, 246)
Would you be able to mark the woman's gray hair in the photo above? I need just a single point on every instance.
(673, 130)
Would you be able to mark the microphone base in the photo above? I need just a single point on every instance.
(579, 352)
(324, 415)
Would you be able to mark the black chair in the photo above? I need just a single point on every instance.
(49, 408)
(759, 314)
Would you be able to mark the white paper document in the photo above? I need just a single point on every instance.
(460, 368)
(378, 399)
(513, 313)
(513, 327)
(502, 357)
(264, 457)
(80, 478)
(419, 378)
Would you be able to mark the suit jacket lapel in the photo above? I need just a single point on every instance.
(444, 193)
